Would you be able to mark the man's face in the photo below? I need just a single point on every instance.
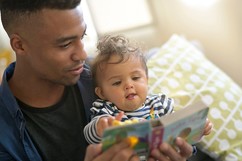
(54, 49)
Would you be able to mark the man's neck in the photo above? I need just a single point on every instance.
(36, 93)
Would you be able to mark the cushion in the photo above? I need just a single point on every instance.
(182, 71)
(5, 60)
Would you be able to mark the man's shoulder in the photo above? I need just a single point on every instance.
(86, 73)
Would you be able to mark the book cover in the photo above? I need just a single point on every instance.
(187, 123)
(140, 130)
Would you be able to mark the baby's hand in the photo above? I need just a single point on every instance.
(208, 127)
(107, 121)
(103, 123)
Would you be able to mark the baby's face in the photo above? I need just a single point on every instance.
(125, 84)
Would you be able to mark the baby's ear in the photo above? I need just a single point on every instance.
(98, 92)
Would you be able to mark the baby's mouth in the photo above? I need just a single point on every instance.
(131, 96)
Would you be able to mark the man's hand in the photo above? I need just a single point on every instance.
(166, 152)
(118, 152)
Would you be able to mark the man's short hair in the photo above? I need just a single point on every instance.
(11, 10)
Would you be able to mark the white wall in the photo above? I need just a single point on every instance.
(4, 40)
(218, 29)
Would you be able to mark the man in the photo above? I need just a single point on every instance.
(46, 94)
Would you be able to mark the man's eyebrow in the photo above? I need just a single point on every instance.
(64, 39)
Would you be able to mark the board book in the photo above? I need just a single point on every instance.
(187, 123)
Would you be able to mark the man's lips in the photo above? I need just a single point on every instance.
(76, 70)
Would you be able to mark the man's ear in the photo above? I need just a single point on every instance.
(17, 44)
(98, 92)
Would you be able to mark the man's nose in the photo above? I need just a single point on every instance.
(80, 53)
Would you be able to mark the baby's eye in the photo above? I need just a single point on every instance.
(136, 78)
(116, 83)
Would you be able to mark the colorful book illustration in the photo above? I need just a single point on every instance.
(187, 123)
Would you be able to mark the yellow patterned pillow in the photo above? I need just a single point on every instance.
(5, 60)
(182, 72)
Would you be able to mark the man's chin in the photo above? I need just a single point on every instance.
(71, 82)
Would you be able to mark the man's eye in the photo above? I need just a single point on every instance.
(84, 35)
(116, 83)
(65, 45)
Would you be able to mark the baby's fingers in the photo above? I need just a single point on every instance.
(102, 125)
(208, 127)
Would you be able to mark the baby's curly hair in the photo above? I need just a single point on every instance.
(108, 46)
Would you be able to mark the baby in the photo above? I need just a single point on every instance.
(121, 80)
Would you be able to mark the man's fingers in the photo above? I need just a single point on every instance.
(119, 152)
(185, 148)
(166, 152)
(93, 151)
(157, 155)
